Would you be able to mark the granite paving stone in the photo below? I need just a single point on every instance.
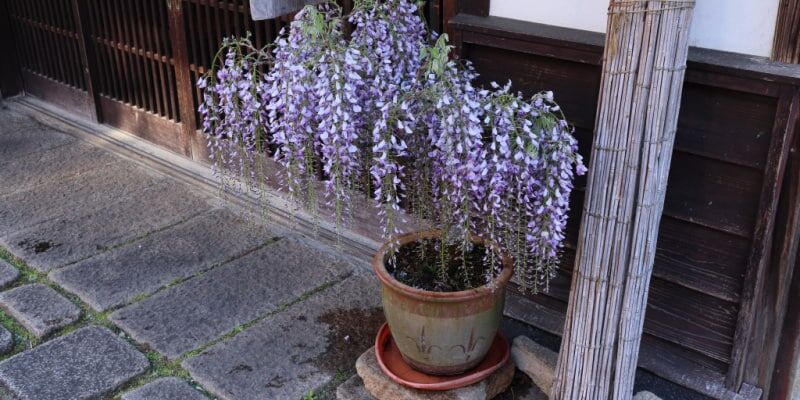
(115, 278)
(6, 341)
(89, 363)
(39, 308)
(186, 316)
(8, 274)
(170, 388)
(72, 197)
(20, 134)
(66, 240)
(298, 350)
(23, 172)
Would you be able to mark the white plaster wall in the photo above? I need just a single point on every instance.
(740, 26)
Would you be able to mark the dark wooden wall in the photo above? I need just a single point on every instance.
(728, 240)
(712, 267)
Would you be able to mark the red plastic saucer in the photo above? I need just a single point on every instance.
(398, 370)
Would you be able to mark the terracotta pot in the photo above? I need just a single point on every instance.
(441, 333)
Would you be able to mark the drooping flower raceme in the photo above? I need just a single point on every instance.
(532, 161)
(233, 113)
(388, 37)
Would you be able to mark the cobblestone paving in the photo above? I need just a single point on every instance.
(112, 276)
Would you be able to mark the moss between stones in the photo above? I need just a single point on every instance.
(159, 366)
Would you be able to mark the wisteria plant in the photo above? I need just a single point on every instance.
(370, 102)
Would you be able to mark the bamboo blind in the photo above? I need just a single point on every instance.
(644, 63)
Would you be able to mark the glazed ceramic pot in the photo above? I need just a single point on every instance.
(441, 333)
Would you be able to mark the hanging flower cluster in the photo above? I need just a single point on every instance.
(389, 37)
(387, 102)
(233, 113)
(532, 160)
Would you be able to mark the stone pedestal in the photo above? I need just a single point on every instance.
(372, 384)
(535, 360)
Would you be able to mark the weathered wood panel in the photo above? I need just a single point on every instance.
(725, 124)
(703, 259)
(724, 161)
(63, 95)
(712, 193)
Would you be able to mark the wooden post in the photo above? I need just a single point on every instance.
(88, 58)
(10, 77)
(183, 80)
(451, 8)
(642, 82)
(761, 307)
(786, 47)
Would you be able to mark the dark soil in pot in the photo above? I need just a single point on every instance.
(419, 265)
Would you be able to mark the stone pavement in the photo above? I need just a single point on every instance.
(120, 282)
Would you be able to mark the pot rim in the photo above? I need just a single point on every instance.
(387, 279)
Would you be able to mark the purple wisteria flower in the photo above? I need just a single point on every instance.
(387, 102)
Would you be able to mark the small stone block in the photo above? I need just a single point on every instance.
(645, 395)
(89, 363)
(170, 388)
(382, 388)
(536, 361)
(39, 308)
(353, 389)
(6, 341)
(8, 274)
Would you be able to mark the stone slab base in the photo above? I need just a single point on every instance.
(376, 385)
(535, 360)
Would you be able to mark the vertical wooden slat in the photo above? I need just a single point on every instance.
(10, 79)
(58, 44)
(72, 45)
(131, 44)
(754, 279)
(786, 47)
(146, 56)
(117, 39)
(788, 357)
(170, 69)
(149, 40)
(88, 57)
(183, 81)
(161, 86)
(42, 63)
(775, 304)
